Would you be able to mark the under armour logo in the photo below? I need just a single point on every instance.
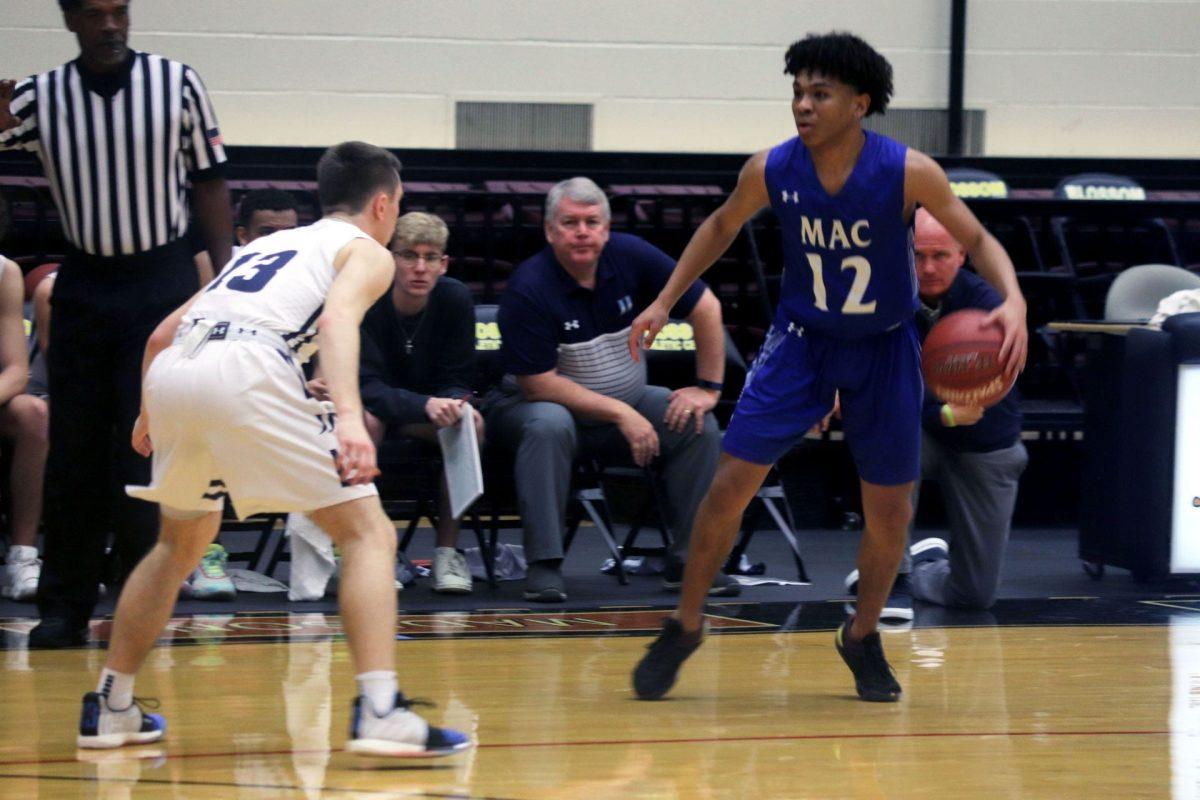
(625, 304)
(573, 325)
(790, 197)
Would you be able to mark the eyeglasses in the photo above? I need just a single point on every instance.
(411, 258)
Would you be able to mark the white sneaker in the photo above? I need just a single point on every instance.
(22, 571)
(101, 728)
(400, 733)
(450, 572)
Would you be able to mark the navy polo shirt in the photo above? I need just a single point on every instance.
(1000, 425)
(548, 321)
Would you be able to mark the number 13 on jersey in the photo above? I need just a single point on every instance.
(854, 298)
(265, 268)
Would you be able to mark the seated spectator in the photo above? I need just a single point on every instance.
(24, 422)
(263, 212)
(974, 454)
(573, 387)
(418, 364)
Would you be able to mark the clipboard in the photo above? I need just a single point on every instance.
(461, 462)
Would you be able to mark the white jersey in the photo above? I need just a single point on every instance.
(278, 282)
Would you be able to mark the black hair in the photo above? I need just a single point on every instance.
(847, 58)
(264, 200)
(4, 218)
(351, 173)
(70, 5)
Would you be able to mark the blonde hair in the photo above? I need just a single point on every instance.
(417, 227)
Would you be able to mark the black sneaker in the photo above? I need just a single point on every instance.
(873, 676)
(722, 585)
(655, 674)
(56, 632)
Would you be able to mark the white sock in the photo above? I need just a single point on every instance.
(117, 688)
(20, 553)
(379, 688)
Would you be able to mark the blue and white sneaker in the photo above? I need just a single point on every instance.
(898, 608)
(899, 605)
(400, 733)
(931, 549)
(100, 727)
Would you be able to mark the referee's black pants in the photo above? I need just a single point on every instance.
(103, 311)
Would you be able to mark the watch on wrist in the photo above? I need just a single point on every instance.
(711, 385)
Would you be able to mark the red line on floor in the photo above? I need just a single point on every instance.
(694, 740)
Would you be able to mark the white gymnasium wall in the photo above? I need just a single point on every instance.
(1057, 78)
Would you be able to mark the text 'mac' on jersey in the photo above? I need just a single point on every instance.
(279, 282)
(848, 258)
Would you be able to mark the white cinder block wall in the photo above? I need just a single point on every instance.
(1057, 78)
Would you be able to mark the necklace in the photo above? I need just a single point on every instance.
(408, 335)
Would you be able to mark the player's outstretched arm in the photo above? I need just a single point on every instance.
(365, 271)
(925, 184)
(708, 243)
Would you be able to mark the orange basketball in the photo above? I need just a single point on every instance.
(34, 277)
(961, 360)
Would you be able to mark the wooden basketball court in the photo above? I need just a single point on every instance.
(257, 706)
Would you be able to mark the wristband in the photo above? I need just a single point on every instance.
(948, 416)
(711, 385)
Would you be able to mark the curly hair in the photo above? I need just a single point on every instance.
(847, 58)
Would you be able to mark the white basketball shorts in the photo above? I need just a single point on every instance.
(235, 420)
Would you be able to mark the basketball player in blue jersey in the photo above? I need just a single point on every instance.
(843, 333)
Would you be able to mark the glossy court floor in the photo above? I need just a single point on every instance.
(1081, 698)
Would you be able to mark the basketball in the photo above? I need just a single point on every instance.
(961, 360)
(34, 277)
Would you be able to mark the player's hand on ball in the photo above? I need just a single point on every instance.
(1011, 317)
(966, 415)
(645, 328)
(141, 435)
(356, 453)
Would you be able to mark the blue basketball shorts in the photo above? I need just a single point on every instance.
(791, 387)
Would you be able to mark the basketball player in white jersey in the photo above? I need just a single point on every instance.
(226, 414)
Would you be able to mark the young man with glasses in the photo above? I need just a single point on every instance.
(418, 364)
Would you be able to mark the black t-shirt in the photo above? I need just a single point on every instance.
(407, 360)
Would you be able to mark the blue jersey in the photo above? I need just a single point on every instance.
(847, 258)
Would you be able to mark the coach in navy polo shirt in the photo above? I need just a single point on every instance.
(572, 385)
(975, 455)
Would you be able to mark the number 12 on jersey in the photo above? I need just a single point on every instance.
(858, 289)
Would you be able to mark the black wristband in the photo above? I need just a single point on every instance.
(713, 385)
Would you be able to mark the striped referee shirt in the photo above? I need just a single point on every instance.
(119, 150)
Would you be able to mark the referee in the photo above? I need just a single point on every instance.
(121, 135)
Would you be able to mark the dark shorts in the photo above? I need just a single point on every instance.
(791, 387)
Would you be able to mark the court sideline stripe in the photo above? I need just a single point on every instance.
(262, 786)
(694, 740)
